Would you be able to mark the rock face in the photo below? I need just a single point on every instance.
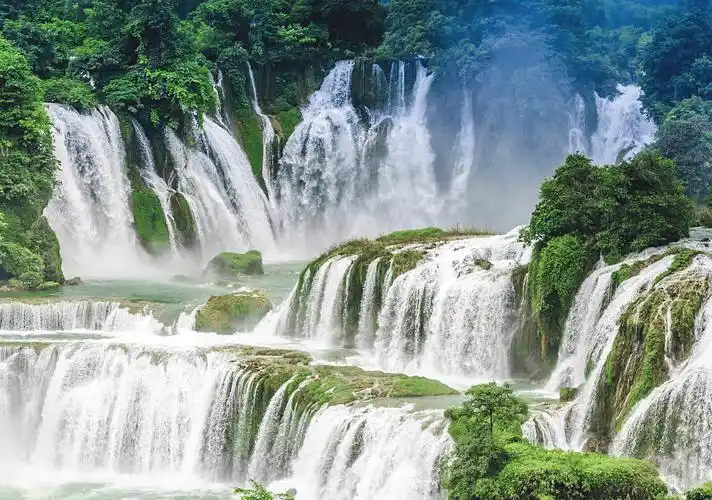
(229, 313)
(232, 265)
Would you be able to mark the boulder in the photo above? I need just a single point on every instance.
(232, 265)
(230, 313)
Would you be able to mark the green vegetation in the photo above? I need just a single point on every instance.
(567, 394)
(29, 252)
(230, 313)
(69, 91)
(585, 211)
(703, 492)
(233, 265)
(259, 492)
(184, 221)
(491, 460)
(250, 132)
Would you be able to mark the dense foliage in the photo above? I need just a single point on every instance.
(587, 211)
(29, 252)
(492, 461)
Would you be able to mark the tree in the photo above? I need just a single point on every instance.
(685, 136)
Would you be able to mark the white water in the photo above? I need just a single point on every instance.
(228, 205)
(673, 425)
(90, 208)
(75, 315)
(623, 129)
(371, 454)
(268, 139)
(451, 317)
(592, 344)
(448, 317)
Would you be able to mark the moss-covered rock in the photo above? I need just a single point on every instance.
(17, 261)
(229, 313)
(567, 394)
(185, 227)
(250, 136)
(655, 331)
(285, 122)
(233, 265)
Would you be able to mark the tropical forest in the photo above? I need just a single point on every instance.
(355, 249)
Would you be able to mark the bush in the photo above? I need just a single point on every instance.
(491, 461)
(703, 492)
(69, 91)
(31, 280)
(17, 261)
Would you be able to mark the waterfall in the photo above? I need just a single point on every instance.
(216, 179)
(89, 210)
(371, 453)
(673, 424)
(74, 315)
(447, 317)
(593, 345)
(92, 407)
(340, 172)
(623, 128)
(465, 148)
(155, 182)
(268, 138)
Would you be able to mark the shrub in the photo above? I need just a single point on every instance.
(69, 91)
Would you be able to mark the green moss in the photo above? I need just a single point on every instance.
(405, 261)
(229, 313)
(250, 133)
(286, 122)
(344, 384)
(683, 259)
(232, 265)
(555, 274)
(429, 234)
(483, 263)
(183, 220)
(627, 271)
(567, 394)
(149, 221)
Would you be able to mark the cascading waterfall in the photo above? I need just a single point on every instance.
(673, 425)
(588, 343)
(131, 409)
(77, 408)
(268, 139)
(353, 453)
(228, 205)
(450, 316)
(74, 315)
(447, 317)
(155, 182)
(340, 172)
(90, 208)
(623, 129)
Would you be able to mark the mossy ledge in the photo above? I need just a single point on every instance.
(397, 253)
(229, 313)
(655, 331)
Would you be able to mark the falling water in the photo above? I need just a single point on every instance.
(268, 138)
(228, 205)
(370, 453)
(74, 315)
(90, 208)
(155, 182)
(673, 425)
(623, 128)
